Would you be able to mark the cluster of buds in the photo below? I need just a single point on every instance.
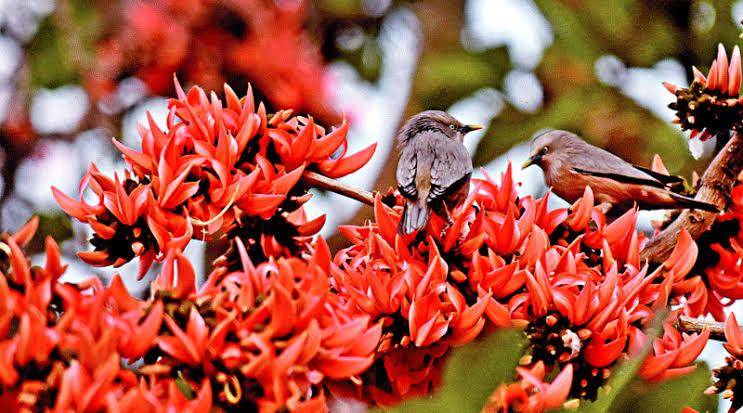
(711, 104)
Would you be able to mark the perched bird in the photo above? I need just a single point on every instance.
(434, 169)
(570, 164)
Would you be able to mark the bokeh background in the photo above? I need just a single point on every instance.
(76, 73)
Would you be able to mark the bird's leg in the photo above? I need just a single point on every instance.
(449, 221)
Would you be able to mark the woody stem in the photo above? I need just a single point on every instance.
(695, 325)
(714, 188)
(317, 180)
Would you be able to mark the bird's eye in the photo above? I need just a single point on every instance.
(545, 150)
(452, 127)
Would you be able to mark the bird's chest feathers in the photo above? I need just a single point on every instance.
(552, 171)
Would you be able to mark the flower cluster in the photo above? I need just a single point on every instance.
(230, 169)
(210, 43)
(711, 104)
(266, 337)
(721, 266)
(571, 279)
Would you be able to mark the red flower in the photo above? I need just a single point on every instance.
(210, 43)
(530, 393)
(277, 326)
(216, 168)
(120, 230)
(672, 354)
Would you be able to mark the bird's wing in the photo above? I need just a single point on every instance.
(625, 179)
(666, 179)
(406, 169)
(451, 168)
(604, 164)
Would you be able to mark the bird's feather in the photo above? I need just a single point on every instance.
(625, 179)
(451, 168)
(570, 164)
(406, 171)
(666, 179)
(414, 217)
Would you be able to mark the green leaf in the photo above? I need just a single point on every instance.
(674, 395)
(472, 373)
(184, 387)
(667, 396)
(55, 224)
(63, 44)
(446, 77)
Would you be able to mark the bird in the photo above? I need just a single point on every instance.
(434, 169)
(570, 164)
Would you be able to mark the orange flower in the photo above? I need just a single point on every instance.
(120, 229)
(217, 168)
(530, 393)
(277, 326)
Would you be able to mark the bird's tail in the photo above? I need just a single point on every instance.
(691, 203)
(414, 217)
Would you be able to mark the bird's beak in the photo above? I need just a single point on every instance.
(470, 128)
(531, 161)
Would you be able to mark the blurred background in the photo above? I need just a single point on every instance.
(75, 73)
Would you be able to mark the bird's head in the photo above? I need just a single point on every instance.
(549, 147)
(435, 120)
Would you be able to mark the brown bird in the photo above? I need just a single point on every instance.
(570, 164)
(435, 168)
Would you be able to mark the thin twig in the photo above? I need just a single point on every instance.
(317, 180)
(695, 325)
(715, 187)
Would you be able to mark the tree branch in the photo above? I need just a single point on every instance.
(317, 180)
(715, 187)
(694, 325)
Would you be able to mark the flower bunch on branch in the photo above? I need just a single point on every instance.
(216, 169)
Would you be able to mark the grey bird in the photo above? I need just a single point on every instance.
(570, 164)
(434, 169)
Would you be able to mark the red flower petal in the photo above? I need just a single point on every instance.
(348, 164)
